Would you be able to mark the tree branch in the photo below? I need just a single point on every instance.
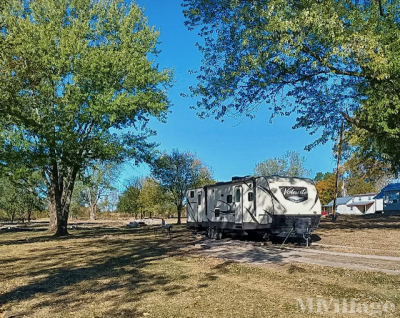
(323, 62)
(381, 8)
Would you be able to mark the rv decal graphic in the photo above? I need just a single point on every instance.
(192, 210)
(295, 194)
(272, 196)
(252, 216)
(221, 203)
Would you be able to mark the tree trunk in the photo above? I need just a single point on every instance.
(63, 187)
(53, 215)
(62, 223)
(92, 195)
(92, 212)
(179, 210)
(12, 217)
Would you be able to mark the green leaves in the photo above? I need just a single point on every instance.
(73, 70)
(22, 192)
(291, 164)
(179, 171)
(324, 61)
(77, 86)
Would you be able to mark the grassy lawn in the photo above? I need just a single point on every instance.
(370, 234)
(112, 271)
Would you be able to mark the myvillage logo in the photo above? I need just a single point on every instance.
(344, 306)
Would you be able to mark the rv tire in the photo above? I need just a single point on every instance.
(214, 233)
(218, 235)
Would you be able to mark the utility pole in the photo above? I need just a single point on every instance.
(334, 215)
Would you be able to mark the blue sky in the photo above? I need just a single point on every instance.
(231, 148)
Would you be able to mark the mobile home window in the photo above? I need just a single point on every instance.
(192, 194)
(250, 196)
(199, 199)
(229, 198)
(237, 195)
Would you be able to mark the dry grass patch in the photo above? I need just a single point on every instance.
(120, 272)
(375, 234)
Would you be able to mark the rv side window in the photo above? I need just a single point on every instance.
(250, 196)
(192, 194)
(237, 195)
(229, 198)
(199, 199)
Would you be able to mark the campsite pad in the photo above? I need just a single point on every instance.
(257, 254)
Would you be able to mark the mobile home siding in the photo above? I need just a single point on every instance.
(391, 201)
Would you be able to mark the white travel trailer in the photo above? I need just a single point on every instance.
(266, 205)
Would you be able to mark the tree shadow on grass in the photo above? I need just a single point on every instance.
(94, 232)
(110, 265)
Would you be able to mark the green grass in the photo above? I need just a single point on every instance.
(120, 272)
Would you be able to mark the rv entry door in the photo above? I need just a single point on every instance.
(238, 204)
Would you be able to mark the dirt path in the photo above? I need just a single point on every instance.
(260, 255)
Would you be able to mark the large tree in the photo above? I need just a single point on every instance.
(291, 164)
(177, 172)
(151, 196)
(365, 175)
(96, 182)
(328, 62)
(326, 186)
(77, 85)
(320, 176)
(128, 201)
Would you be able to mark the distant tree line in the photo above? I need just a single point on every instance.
(160, 195)
(164, 192)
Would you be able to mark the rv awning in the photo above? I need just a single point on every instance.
(360, 203)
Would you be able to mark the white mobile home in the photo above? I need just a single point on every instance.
(358, 204)
(361, 204)
(269, 205)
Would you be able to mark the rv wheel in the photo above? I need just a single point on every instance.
(214, 233)
(209, 232)
(266, 237)
(218, 236)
